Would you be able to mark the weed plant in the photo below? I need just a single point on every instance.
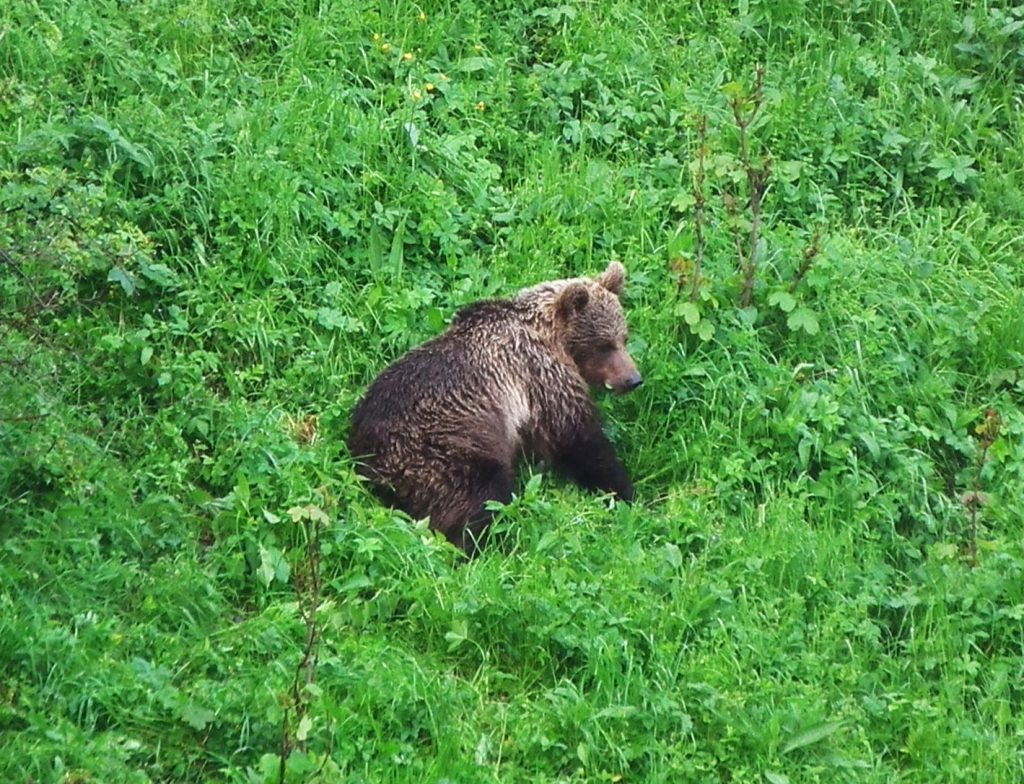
(219, 220)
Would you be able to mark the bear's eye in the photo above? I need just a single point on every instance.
(607, 348)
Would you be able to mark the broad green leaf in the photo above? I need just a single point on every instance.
(125, 278)
(435, 319)
(871, 443)
(160, 274)
(335, 319)
(803, 450)
(414, 133)
(732, 89)
(309, 512)
(683, 201)
(789, 170)
(473, 64)
(459, 634)
(197, 717)
(273, 565)
(673, 555)
(811, 736)
(747, 316)
(783, 299)
(803, 318)
(690, 312)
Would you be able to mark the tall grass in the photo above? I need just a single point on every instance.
(220, 220)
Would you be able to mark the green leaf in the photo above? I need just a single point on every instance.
(673, 555)
(871, 443)
(803, 451)
(783, 299)
(356, 583)
(435, 319)
(197, 717)
(160, 274)
(305, 726)
(811, 736)
(414, 133)
(273, 566)
(706, 331)
(803, 318)
(125, 278)
(146, 354)
(310, 512)
(747, 316)
(683, 201)
(732, 90)
(458, 634)
(788, 170)
(474, 64)
(690, 312)
(335, 319)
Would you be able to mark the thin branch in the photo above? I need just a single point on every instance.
(811, 252)
(757, 181)
(698, 206)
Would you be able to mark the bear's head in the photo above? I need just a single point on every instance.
(590, 321)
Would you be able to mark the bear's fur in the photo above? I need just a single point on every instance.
(440, 431)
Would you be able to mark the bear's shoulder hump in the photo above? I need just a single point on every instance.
(485, 312)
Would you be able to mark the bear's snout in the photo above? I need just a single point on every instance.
(619, 373)
(625, 385)
(633, 382)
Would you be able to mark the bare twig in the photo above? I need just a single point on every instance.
(307, 666)
(698, 206)
(308, 590)
(988, 431)
(285, 747)
(757, 180)
(811, 252)
(730, 200)
(737, 105)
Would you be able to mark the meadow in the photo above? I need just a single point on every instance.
(219, 221)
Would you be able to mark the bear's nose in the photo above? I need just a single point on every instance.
(633, 382)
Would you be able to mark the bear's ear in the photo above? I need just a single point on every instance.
(573, 298)
(613, 277)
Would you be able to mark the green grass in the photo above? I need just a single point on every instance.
(218, 222)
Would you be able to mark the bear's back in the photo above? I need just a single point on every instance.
(467, 386)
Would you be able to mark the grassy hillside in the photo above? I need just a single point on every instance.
(219, 220)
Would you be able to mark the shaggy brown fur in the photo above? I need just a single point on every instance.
(439, 432)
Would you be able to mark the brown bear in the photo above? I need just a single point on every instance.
(439, 432)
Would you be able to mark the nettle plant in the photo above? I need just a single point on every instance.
(731, 174)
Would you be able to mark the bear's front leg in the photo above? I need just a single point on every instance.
(589, 459)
